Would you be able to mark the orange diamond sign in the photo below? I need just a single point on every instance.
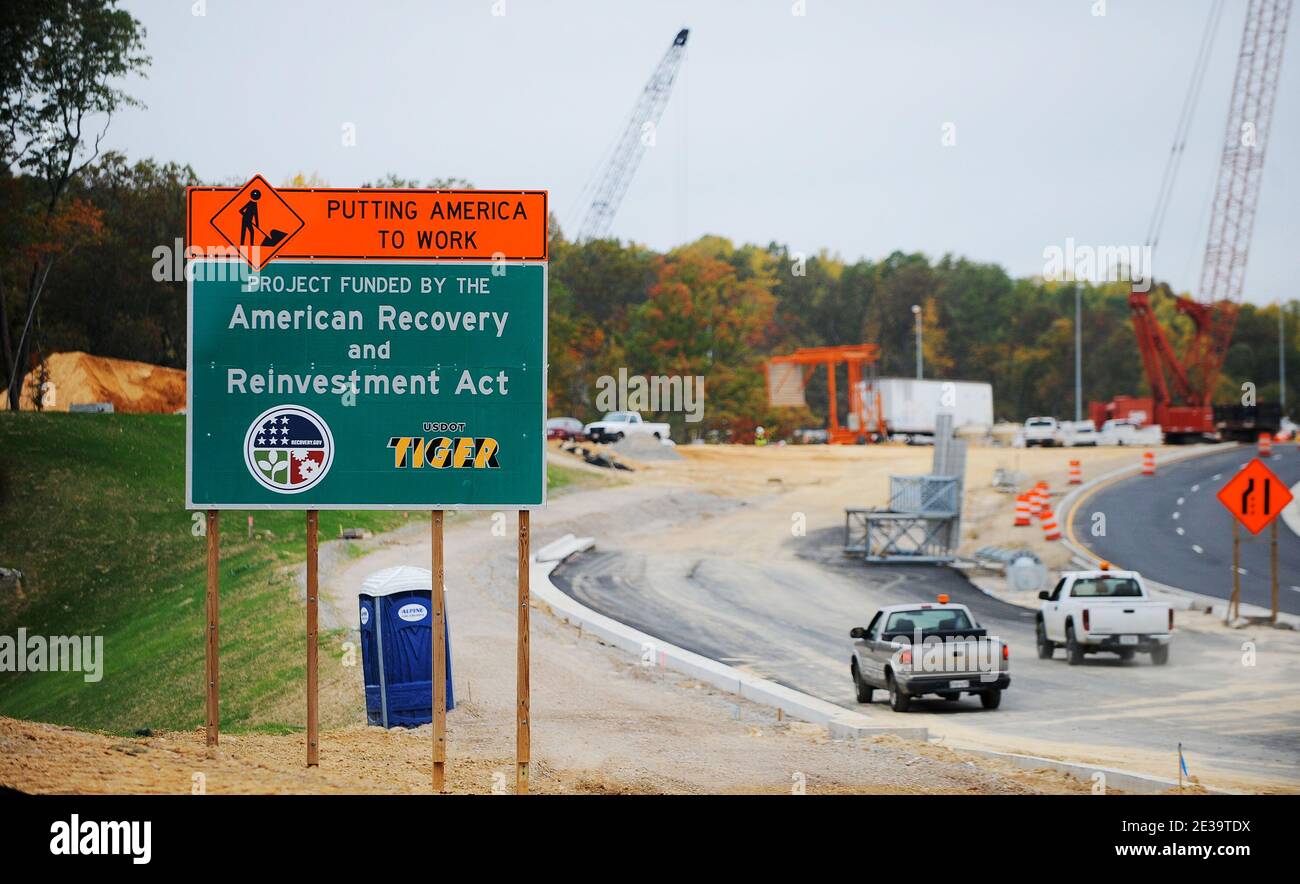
(257, 221)
(1255, 496)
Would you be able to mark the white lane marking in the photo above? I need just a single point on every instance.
(1291, 515)
(1179, 530)
(1196, 487)
(1217, 476)
(1241, 571)
(1198, 549)
(1295, 588)
(1176, 514)
(1180, 502)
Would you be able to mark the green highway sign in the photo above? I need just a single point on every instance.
(366, 385)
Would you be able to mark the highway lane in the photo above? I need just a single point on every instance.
(1173, 529)
(786, 617)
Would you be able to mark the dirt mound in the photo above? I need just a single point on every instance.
(645, 448)
(78, 378)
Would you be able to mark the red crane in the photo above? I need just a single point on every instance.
(1182, 387)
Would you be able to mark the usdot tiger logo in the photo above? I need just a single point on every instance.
(445, 452)
(288, 449)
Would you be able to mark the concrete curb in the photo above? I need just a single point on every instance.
(1181, 599)
(840, 722)
(1140, 784)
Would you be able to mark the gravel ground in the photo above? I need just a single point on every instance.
(601, 722)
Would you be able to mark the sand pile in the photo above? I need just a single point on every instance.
(78, 378)
(644, 448)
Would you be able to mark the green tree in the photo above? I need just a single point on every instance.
(63, 60)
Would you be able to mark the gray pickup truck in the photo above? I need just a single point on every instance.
(911, 650)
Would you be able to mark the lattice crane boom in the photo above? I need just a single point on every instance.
(1182, 389)
(627, 153)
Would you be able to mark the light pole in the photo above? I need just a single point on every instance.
(916, 311)
(1078, 354)
(1281, 352)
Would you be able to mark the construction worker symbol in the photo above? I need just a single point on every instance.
(257, 221)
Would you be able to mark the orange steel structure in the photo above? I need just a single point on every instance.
(864, 401)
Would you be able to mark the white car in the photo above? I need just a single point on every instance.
(617, 424)
(1120, 431)
(1081, 433)
(1103, 610)
(1043, 431)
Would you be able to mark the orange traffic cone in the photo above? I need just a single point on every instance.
(1076, 473)
(1265, 445)
(1022, 511)
(1050, 531)
(1148, 463)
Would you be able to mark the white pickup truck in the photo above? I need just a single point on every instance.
(1042, 431)
(916, 649)
(617, 424)
(1103, 610)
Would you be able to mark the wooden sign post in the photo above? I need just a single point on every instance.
(439, 637)
(1273, 555)
(212, 669)
(522, 726)
(450, 260)
(313, 682)
(1234, 603)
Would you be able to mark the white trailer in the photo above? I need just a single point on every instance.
(911, 407)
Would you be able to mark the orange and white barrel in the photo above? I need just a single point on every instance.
(1265, 445)
(1148, 463)
(1076, 473)
(1044, 492)
(1022, 511)
(1050, 531)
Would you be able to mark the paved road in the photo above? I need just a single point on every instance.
(1172, 528)
(787, 618)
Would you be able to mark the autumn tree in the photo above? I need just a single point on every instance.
(62, 62)
(702, 319)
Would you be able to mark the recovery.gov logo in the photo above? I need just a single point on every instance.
(288, 449)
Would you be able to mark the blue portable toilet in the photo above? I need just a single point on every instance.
(396, 649)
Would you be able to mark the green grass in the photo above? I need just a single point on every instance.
(92, 512)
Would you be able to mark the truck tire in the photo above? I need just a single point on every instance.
(898, 701)
(1073, 649)
(1160, 655)
(991, 699)
(864, 690)
(1046, 647)
(613, 437)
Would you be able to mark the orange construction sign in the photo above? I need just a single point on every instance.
(1255, 496)
(259, 223)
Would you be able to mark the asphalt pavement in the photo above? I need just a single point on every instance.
(1173, 528)
(787, 618)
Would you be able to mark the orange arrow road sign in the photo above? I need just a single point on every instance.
(1255, 496)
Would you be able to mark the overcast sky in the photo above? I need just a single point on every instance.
(821, 131)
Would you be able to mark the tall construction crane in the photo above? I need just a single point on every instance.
(1182, 389)
(626, 155)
